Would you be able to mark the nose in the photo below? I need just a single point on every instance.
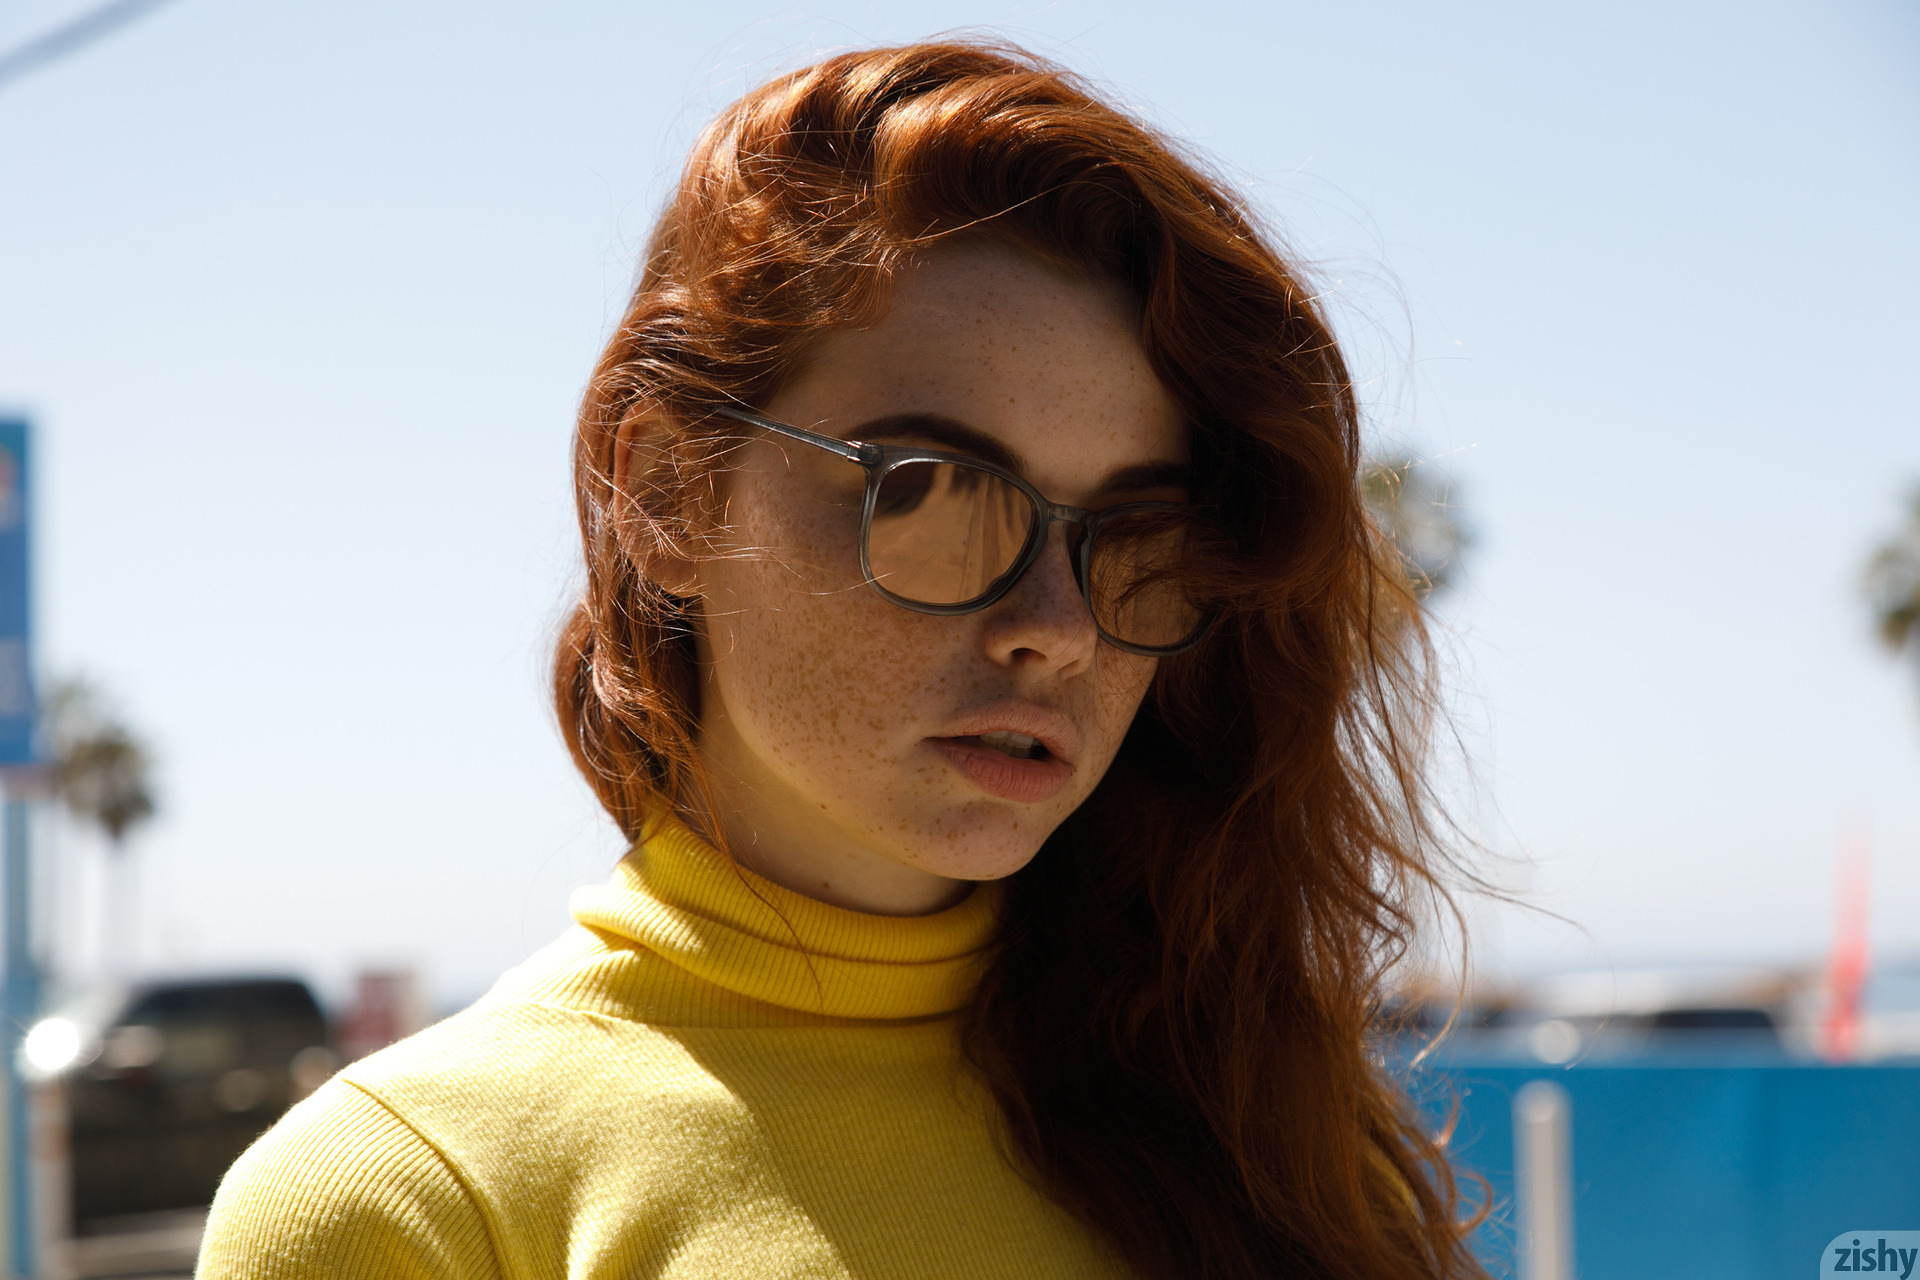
(1044, 623)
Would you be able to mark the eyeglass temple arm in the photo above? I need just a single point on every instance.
(851, 452)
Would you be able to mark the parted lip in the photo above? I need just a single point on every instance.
(1054, 730)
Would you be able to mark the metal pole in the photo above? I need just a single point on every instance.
(21, 996)
(1543, 1179)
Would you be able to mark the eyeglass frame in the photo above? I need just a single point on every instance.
(879, 460)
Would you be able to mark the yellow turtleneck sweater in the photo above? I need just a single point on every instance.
(708, 1076)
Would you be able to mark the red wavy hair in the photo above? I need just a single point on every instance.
(1177, 1016)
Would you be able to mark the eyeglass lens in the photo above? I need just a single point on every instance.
(945, 534)
(1133, 580)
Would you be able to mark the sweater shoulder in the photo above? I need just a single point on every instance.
(342, 1187)
(597, 1145)
(517, 1056)
(504, 1077)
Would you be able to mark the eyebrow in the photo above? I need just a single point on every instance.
(961, 438)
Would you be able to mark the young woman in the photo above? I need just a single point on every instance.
(1019, 728)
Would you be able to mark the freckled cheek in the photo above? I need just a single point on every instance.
(824, 673)
(1119, 683)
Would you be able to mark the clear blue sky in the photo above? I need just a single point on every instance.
(301, 297)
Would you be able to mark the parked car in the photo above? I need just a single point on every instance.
(169, 1082)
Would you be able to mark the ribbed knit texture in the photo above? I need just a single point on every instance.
(707, 1076)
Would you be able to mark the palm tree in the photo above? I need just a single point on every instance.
(100, 768)
(101, 773)
(1893, 584)
(1416, 508)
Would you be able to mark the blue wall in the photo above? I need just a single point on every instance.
(1708, 1169)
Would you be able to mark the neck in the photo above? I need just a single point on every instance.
(786, 838)
(830, 868)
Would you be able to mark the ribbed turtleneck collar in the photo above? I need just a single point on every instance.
(678, 898)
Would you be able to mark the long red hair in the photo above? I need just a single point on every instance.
(1177, 1018)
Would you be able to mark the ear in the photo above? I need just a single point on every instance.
(649, 528)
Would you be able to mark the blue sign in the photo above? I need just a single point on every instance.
(16, 651)
(1724, 1169)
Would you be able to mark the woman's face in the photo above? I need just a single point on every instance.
(843, 732)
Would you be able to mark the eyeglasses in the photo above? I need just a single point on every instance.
(946, 534)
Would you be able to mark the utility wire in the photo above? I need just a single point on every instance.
(71, 38)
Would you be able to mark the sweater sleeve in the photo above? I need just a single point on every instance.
(342, 1187)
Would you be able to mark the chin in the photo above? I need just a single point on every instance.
(978, 850)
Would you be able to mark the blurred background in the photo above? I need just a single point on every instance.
(299, 300)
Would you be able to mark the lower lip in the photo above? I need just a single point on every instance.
(999, 774)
